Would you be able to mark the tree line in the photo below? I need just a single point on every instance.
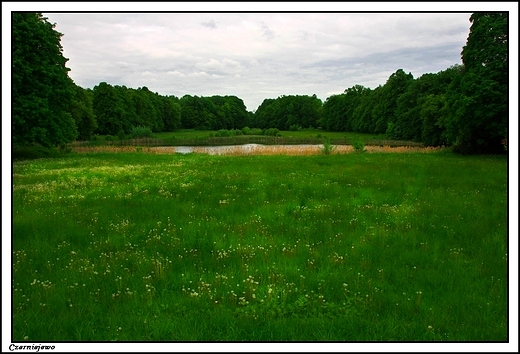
(464, 106)
(116, 110)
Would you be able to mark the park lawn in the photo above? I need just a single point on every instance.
(352, 247)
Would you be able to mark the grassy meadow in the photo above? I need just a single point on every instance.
(136, 246)
(212, 137)
(203, 134)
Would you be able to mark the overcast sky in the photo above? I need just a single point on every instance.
(256, 55)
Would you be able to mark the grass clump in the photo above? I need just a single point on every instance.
(327, 148)
(358, 145)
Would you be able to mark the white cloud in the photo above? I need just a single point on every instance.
(148, 74)
(212, 64)
(257, 55)
(175, 73)
(199, 74)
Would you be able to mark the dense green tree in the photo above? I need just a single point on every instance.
(332, 112)
(286, 111)
(264, 113)
(237, 111)
(432, 111)
(124, 98)
(338, 110)
(171, 113)
(385, 110)
(486, 48)
(192, 113)
(477, 122)
(146, 106)
(408, 123)
(478, 99)
(109, 109)
(82, 111)
(41, 88)
(362, 112)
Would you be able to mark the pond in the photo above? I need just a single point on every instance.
(244, 149)
(252, 149)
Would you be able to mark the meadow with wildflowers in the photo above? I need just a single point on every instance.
(135, 246)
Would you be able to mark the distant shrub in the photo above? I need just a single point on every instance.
(272, 132)
(140, 132)
(246, 131)
(295, 127)
(256, 131)
(109, 138)
(223, 133)
(358, 145)
(327, 148)
(121, 134)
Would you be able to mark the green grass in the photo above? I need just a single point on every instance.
(354, 247)
(192, 134)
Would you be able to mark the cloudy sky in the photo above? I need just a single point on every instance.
(256, 55)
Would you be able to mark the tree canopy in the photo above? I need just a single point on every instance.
(479, 118)
(41, 88)
(289, 112)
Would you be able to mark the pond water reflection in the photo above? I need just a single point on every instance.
(244, 149)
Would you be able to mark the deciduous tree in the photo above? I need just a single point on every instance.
(478, 101)
(41, 88)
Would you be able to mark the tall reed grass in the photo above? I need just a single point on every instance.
(239, 150)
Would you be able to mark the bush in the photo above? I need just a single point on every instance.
(272, 132)
(109, 138)
(141, 132)
(327, 148)
(358, 145)
(121, 134)
(222, 133)
(256, 131)
(246, 131)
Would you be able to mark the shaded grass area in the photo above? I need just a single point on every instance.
(37, 152)
(358, 247)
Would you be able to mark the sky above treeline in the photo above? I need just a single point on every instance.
(256, 55)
